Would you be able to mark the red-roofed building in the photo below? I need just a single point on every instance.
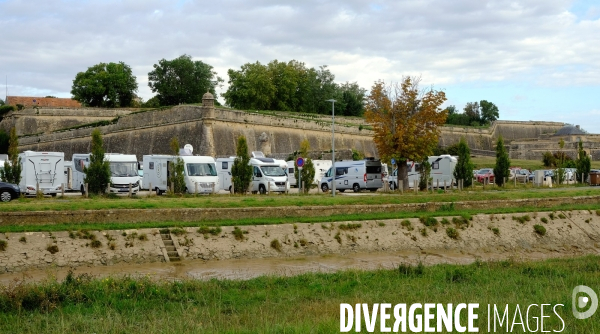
(53, 102)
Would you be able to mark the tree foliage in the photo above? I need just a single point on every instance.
(109, 85)
(474, 114)
(464, 166)
(4, 138)
(176, 169)
(425, 174)
(308, 171)
(583, 163)
(489, 112)
(182, 80)
(405, 121)
(291, 86)
(11, 172)
(241, 171)
(502, 167)
(97, 174)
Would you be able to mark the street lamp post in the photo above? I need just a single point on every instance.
(333, 171)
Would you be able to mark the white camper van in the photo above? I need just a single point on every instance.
(68, 175)
(321, 167)
(200, 173)
(355, 175)
(224, 172)
(291, 165)
(413, 175)
(123, 171)
(442, 169)
(268, 175)
(43, 169)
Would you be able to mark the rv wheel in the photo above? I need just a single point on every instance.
(392, 185)
(53, 195)
(356, 188)
(262, 190)
(342, 190)
(324, 187)
(82, 190)
(158, 192)
(5, 196)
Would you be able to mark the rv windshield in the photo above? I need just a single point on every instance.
(273, 171)
(199, 169)
(123, 169)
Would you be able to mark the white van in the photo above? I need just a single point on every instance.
(200, 173)
(291, 165)
(123, 171)
(355, 175)
(413, 175)
(442, 169)
(268, 175)
(224, 172)
(68, 175)
(43, 169)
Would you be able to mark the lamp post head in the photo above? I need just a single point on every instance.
(331, 100)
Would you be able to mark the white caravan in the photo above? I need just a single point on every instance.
(42, 169)
(321, 167)
(224, 172)
(123, 171)
(268, 175)
(3, 158)
(442, 169)
(291, 165)
(355, 175)
(200, 173)
(413, 175)
(68, 175)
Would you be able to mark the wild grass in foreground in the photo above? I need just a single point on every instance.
(299, 304)
(445, 211)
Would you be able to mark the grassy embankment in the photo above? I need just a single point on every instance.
(307, 303)
(225, 201)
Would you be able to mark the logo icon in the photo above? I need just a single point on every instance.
(580, 302)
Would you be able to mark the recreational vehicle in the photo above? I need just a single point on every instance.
(355, 175)
(200, 173)
(442, 169)
(413, 175)
(68, 175)
(3, 158)
(291, 165)
(224, 172)
(268, 175)
(321, 167)
(123, 172)
(43, 171)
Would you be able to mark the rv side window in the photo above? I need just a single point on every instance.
(435, 165)
(224, 164)
(257, 172)
(151, 165)
(78, 164)
(341, 171)
(291, 170)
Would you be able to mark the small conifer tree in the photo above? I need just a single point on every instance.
(502, 168)
(97, 174)
(241, 171)
(464, 166)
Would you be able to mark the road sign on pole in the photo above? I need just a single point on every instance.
(393, 161)
(300, 162)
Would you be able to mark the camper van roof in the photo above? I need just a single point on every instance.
(257, 154)
(269, 160)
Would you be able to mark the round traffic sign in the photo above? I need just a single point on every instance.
(393, 161)
(300, 162)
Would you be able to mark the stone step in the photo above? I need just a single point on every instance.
(165, 236)
(173, 259)
(168, 242)
(172, 254)
(171, 248)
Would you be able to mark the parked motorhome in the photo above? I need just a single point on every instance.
(224, 172)
(123, 172)
(321, 167)
(3, 158)
(43, 171)
(68, 175)
(291, 165)
(200, 173)
(355, 175)
(442, 169)
(413, 175)
(268, 175)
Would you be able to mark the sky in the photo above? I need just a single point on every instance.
(536, 60)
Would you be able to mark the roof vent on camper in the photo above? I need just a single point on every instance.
(189, 147)
(268, 160)
(258, 154)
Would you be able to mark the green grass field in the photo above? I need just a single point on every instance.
(308, 303)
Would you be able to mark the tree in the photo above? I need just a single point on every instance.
(97, 174)
(425, 174)
(4, 138)
(464, 166)
(250, 87)
(560, 158)
(548, 159)
(583, 163)
(489, 112)
(182, 80)
(308, 171)
(405, 121)
(105, 85)
(472, 113)
(241, 171)
(502, 168)
(12, 171)
(1, 102)
(177, 169)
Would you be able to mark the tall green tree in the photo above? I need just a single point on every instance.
(177, 169)
(502, 168)
(489, 112)
(4, 138)
(406, 121)
(109, 85)
(182, 80)
(308, 171)
(97, 174)
(583, 163)
(250, 88)
(241, 171)
(11, 172)
(464, 166)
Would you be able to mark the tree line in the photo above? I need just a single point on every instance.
(474, 114)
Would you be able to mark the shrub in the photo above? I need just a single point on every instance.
(522, 219)
(96, 244)
(544, 220)
(445, 221)
(551, 215)
(3, 245)
(539, 229)
(210, 230)
(429, 221)
(452, 233)
(382, 224)
(561, 216)
(409, 270)
(338, 238)
(406, 223)
(238, 233)
(178, 231)
(23, 240)
(112, 245)
(53, 249)
(143, 237)
(424, 232)
(303, 242)
(496, 230)
(276, 245)
(349, 226)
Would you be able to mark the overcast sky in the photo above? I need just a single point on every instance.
(536, 60)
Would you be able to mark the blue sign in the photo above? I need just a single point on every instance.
(300, 162)
(393, 161)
